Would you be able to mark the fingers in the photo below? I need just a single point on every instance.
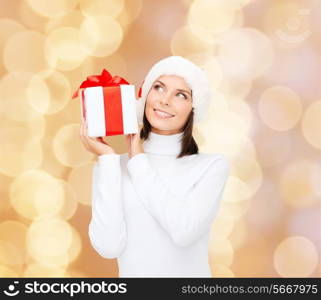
(102, 141)
(83, 134)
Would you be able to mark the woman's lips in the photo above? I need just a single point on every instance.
(162, 115)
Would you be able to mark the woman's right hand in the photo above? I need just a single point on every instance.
(94, 145)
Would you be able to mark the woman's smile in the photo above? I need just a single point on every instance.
(162, 114)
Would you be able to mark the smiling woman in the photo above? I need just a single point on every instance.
(168, 110)
(153, 207)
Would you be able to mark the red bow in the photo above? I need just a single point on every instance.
(105, 79)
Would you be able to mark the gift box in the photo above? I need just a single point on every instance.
(108, 105)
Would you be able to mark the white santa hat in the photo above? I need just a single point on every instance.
(194, 76)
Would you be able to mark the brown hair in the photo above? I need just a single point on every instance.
(189, 146)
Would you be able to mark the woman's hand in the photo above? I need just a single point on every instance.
(94, 145)
(134, 144)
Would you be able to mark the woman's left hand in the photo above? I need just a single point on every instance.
(134, 144)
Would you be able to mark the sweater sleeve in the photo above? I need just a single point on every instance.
(184, 217)
(107, 228)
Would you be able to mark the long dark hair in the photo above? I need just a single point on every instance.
(189, 146)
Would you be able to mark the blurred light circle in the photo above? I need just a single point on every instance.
(223, 223)
(252, 46)
(266, 208)
(236, 209)
(48, 92)
(235, 87)
(306, 222)
(72, 19)
(70, 204)
(297, 185)
(56, 234)
(227, 130)
(8, 28)
(14, 102)
(239, 235)
(295, 256)
(96, 8)
(268, 144)
(63, 49)
(31, 59)
(316, 178)
(52, 9)
(11, 255)
(100, 36)
(208, 18)
(130, 13)
(30, 18)
(75, 247)
(68, 148)
(237, 4)
(38, 94)
(248, 170)
(20, 148)
(220, 251)
(280, 108)
(311, 124)
(76, 179)
(213, 71)
(56, 260)
(14, 232)
(241, 108)
(236, 190)
(35, 193)
(185, 42)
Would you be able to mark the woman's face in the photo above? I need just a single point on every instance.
(169, 93)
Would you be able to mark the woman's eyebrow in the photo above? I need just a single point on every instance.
(177, 89)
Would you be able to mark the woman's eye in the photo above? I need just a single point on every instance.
(156, 86)
(183, 95)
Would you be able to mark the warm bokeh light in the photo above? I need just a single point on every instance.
(245, 59)
(57, 242)
(63, 49)
(311, 124)
(100, 36)
(263, 62)
(68, 148)
(35, 193)
(296, 183)
(31, 59)
(295, 256)
(280, 108)
(96, 8)
(52, 9)
(48, 92)
(75, 179)
(17, 157)
(185, 42)
(221, 251)
(208, 18)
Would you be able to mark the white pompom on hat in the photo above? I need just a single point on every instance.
(194, 76)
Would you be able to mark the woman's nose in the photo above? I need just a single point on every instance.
(165, 99)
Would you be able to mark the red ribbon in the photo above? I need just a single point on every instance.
(140, 89)
(105, 79)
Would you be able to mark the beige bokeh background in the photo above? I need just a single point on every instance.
(263, 59)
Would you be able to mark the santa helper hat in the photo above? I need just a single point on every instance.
(194, 76)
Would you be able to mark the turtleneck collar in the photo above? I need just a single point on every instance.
(163, 144)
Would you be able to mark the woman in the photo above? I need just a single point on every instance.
(152, 208)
